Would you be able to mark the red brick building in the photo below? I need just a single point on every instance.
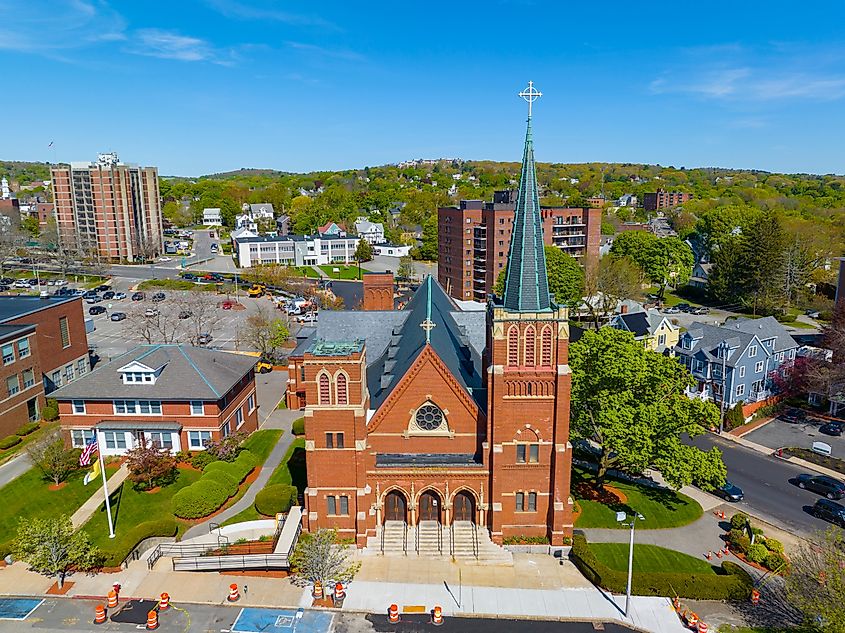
(442, 431)
(21, 387)
(664, 199)
(62, 343)
(474, 237)
(176, 396)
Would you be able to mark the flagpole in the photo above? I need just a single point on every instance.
(106, 491)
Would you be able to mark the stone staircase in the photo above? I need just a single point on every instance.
(430, 543)
(394, 538)
(474, 544)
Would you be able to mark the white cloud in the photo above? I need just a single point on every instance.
(242, 11)
(171, 45)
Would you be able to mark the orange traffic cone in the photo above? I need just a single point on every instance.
(393, 614)
(437, 616)
(112, 600)
(234, 596)
(100, 614)
(152, 620)
(164, 602)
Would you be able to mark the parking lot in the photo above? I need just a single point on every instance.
(781, 432)
(112, 338)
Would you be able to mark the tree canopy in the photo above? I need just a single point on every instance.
(664, 260)
(631, 402)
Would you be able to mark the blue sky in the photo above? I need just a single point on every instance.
(196, 86)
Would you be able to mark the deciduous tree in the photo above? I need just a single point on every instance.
(51, 547)
(364, 251)
(52, 458)
(150, 465)
(631, 402)
(566, 277)
(664, 260)
(816, 581)
(265, 333)
(607, 281)
(319, 558)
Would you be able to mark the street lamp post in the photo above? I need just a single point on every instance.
(620, 517)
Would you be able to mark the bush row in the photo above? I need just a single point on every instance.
(767, 552)
(730, 582)
(13, 440)
(9, 441)
(219, 482)
(275, 499)
(126, 542)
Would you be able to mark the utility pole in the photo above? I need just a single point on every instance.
(723, 349)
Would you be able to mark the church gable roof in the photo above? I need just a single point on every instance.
(432, 308)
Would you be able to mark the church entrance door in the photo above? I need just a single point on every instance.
(395, 507)
(464, 507)
(429, 506)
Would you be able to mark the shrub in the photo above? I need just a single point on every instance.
(9, 441)
(526, 540)
(774, 561)
(50, 411)
(758, 534)
(730, 582)
(237, 469)
(201, 460)
(26, 429)
(227, 448)
(129, 540)
(199, 499)
(739, 521)
(183, 457)
(786, 318)
(224, 479)
(757, 553)
(739, 542)
(298, 427)
(274, 499)
(773, 545)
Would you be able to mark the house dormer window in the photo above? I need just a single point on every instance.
(687, 343)
(136, 373)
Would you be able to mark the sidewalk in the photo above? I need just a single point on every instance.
(87, 509)
(765, 450)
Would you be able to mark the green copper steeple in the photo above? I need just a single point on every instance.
(526, 284)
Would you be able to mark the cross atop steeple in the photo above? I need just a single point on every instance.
(428, 325)
(526, 284)
(530, 95)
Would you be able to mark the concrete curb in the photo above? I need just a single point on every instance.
(765, 450)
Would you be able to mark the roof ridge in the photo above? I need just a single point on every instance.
(199, 372)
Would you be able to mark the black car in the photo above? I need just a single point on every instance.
(832, 428)
(684, 307)
(159, 296)
(189, 277)
(4, 288)
(730, 492)
(94, 310)
(107, 296)
(118, 316)
(102, 288)
(185, 314)
(795, 416)
(138, 296)
(821, 484)
(829, 511)
(7, 280)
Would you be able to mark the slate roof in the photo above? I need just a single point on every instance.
(16, 307)
(526, 285)
(262, 207)
(636, 323)
(765, 328)
(708, 339)
(187, 373)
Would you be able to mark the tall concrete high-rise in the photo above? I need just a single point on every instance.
(108, 209)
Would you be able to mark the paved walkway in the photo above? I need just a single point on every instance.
(14, 468)
(278, 419)
(87, 509)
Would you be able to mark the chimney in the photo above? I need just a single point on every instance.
(378, 291)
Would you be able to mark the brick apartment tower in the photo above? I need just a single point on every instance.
(378, 291)
(108, 209)
(529, 385)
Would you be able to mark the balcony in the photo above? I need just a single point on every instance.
(758, 395)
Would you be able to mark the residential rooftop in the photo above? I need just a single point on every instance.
(17, 307)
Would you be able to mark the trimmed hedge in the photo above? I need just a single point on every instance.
(298, 426)
(126, 542)
(9, 441)
(274, 499)
(199, 499)
(238, 469)
(730, 582)
(201, 460)
(26, 429)
(51, 410)
(219, 482)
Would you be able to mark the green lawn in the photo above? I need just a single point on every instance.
(661, 508)
(131, 508)
(261, 443)
(175, 284)
(649, 558)
(46, 429)
(346, 272)
(29, 496)
(306, 271)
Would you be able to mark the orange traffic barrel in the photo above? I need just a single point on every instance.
(234, 596)
(100, 614)
(437, 615)
(393, 614)
(152, 620)
(112, 599)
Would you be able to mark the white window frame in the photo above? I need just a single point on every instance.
(251, 402)
(758, 367)
(198, 434)
(26, 347)
(752, 351)
(17, 388)
(162, 437)
(23, 378)
(7, 358)
(78, 407)
(116, 438)
(740, 390)
(79, 437)
(197, 405)
(239, 417)
(742, 371)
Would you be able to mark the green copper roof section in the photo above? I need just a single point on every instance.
(526, 284)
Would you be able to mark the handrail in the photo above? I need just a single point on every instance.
(439, 537)
(417, 536)
(382, 537)
(474, 539)
(452, 538)
(199, 563)
(405, 537)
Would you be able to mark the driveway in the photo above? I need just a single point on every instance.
(780, 433)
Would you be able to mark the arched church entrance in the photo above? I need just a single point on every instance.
(395, 506)
(430, 506)
(464, 507)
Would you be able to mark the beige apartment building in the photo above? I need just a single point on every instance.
(108, 209)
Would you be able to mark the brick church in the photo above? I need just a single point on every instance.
(431, 423)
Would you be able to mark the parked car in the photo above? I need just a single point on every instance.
(94, 299)
(701, 310)
(108, 296)
(61, 282)
(813, 314)
(159, 296)
(119, 295)
(118, 316)
(821, 484)
(204, 339)
(794, 416)
(95, 310)
(90, 293)
(138, 296)
(672, 310)
(7, 280)
(730, 492)
(226, 305)
(185, 314)
(102, 288)
(4, 288)
(20, 283)
(164, 259)
(189, 277)
(829, 511)
(684, 307)
(832, 428)
(151, 312)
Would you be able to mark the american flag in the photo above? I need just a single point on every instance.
(88, 451)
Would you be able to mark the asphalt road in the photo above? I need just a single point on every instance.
(56, 614)
(765, 482)
(14, 468)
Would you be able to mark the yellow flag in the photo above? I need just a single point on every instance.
(95, 472)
